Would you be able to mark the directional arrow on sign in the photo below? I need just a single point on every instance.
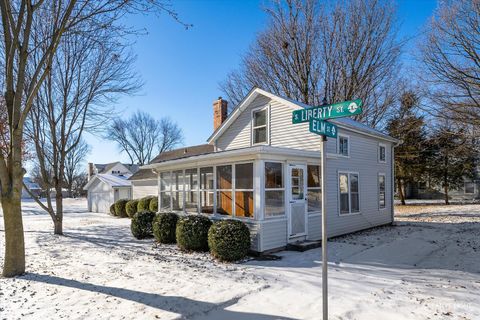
(330, 111)
(323, 128)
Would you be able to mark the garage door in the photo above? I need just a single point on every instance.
(100, 201)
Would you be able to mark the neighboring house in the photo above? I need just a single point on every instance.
(33, 187)
(108, 183)
(263, 170)
(422, 190)
(105, 189)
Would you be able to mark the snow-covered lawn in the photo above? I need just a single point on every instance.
(427, 266)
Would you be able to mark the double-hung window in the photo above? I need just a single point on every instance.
(343, 145)
(260, 126)
(314, 189)
(382, 153)
(349, 192)
(274, 190)
(381, 191)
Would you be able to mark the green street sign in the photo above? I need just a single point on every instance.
(330, 111)
(323, 128)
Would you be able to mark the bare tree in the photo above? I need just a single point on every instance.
(75, 173)
(142, 137)
(309, 51)
(22, 77)
(451, 57)
(86, 73)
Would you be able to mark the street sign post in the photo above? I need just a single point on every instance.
(323, 128)
(316, 117)
(329, 111)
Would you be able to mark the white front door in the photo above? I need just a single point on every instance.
(297, 198)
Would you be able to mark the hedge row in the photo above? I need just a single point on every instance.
(227, 240)
(128, 208)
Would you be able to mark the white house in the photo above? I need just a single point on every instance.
(108, 183)
(32, 186)
(265, 171)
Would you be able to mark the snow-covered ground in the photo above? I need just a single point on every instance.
(427, 266)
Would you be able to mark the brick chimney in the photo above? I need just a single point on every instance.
(90, 171)
(219, 112)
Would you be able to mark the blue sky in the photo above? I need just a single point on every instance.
(181, 69)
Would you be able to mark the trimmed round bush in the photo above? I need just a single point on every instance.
(229, 240)
(144, 204)
(112, 209)
(153, 204)
(192, 233)
(164, 226)
(131, 207)
(120, 210)
(141, 225)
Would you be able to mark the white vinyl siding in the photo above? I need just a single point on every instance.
(143, 188)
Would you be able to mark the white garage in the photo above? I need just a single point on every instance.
(105, 189)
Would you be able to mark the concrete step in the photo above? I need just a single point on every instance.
(304, 245)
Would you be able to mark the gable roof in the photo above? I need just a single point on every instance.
(183, 152)
(346, 123)
(105, 168)
(109, 179)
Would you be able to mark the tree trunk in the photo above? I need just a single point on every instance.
(14, 262)
(400, 191)
(58, 221)
(445, 189)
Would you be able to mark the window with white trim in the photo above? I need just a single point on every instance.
(343, 145)
(206, 190)
(314, 189)
(224, 190)
(349, 192)
(244, 190)
(191, 190)
(259, 126)
(274, 190)
(382, 153)
(165, 191)
(381, 190)
(177, 190)
(469, 188)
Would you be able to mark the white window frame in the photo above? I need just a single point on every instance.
(380, 145)
(474, 187)
(342, 135)
(265, 189)
(169, 191)
(382, 174)
(234, 189)
(200, 190)
(196, 190)
(267, 125)
(349, 213)
(319, 165)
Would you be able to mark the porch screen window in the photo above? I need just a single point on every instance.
(314, 189)
(259, 131)
(177, 190)
(469, 188)
(244, 190)
(165, 187)
(343, 146)
(381, 191)
(349, 193)
(274, 190)
(206, 190)
(224, 190)
(191, 190)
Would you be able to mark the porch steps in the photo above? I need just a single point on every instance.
(304, 245)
